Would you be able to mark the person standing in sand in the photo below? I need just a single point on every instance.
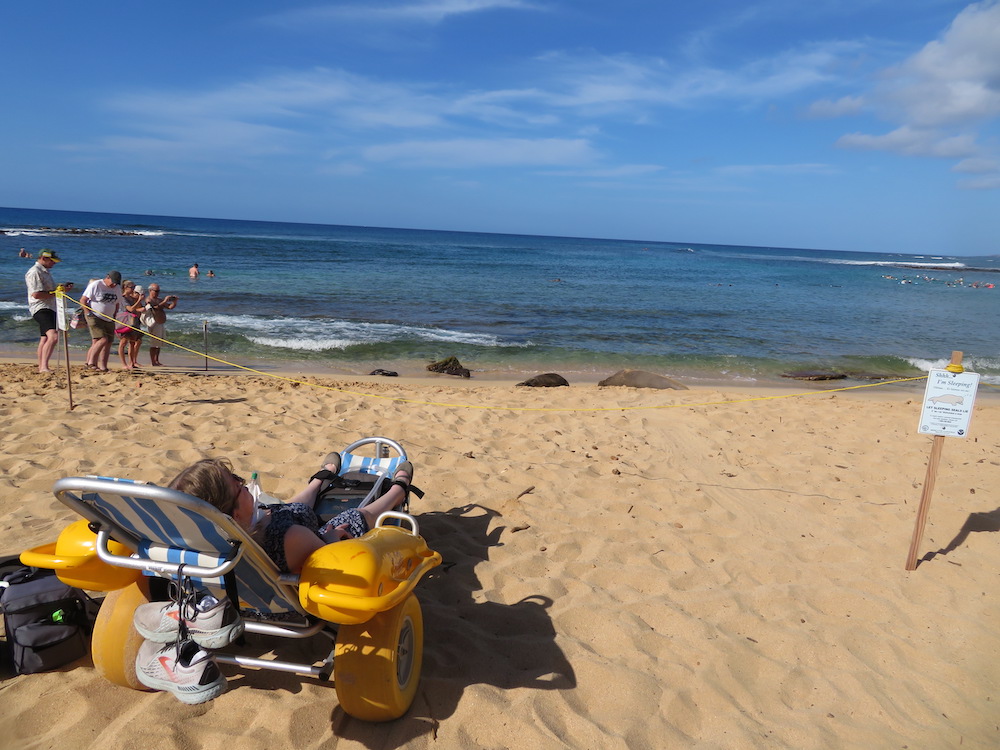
(42, 305)
(154, 317)
(130, 336)
(193, 272)
(103, 299)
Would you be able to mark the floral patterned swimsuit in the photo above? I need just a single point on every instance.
(283, 517)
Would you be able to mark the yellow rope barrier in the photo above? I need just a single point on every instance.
(506, 408)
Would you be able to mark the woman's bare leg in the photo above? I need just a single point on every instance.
(122, 349)
(389, 501)
(308, 493)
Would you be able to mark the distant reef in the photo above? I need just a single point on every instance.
(955, 269)
(74, 230)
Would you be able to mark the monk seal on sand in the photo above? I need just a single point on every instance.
(643, 379)
(548, 380)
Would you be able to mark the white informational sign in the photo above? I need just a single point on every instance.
(948, 402)
(62, 319)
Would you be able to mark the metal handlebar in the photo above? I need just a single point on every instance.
(380, 444)
(156, 566)
(414, 528)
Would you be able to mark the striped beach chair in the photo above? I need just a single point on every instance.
(173, 535)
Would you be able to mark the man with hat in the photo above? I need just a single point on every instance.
(42, 304)
(102, 299)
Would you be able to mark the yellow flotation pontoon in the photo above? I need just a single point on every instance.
(357, 592)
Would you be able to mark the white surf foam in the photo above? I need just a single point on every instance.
(318, 334)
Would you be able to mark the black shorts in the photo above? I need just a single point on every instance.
(46, 320)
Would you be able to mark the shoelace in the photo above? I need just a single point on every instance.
(185, 596)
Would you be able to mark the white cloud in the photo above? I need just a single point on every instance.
(977, 166)
(783, 169)
(990, 182)
(913, 142)
(326, 110)
(955, 79)
(463, 153)
(624, 170)
(435, 11)
(203, 141)
(427, 12)
(293, 98)
(345, 169)
(795, 70)
(623, 82)
(844, 106)
(320, 111)
(504, 107)
(941, 97)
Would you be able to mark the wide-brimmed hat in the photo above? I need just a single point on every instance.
(50, 254)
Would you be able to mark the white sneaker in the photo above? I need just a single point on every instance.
(190, 673)
(210, 623)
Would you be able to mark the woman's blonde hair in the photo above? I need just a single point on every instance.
(210, 479)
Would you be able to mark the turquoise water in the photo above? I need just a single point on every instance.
(355, 298)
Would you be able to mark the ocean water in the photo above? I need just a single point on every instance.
(350, 299)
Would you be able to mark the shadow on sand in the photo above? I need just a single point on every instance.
(985, 521)
(467, 642)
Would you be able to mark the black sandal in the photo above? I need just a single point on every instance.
(406, 484)
(325, 474)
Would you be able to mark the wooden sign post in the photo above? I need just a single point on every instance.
(947, 410)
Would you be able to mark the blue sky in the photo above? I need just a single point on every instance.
(836, 124)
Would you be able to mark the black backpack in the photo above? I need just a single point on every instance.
(46, 622)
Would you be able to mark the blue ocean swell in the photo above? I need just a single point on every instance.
(351, 293)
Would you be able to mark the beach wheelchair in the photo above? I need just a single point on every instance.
(356, 593)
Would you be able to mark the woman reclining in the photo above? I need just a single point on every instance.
(288, 532)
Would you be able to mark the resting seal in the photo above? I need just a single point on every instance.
(643, 379)
(548, 380)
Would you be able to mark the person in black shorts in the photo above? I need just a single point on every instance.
(42, 305)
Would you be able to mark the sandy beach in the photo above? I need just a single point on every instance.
(624, 568)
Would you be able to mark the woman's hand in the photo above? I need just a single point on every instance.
(335, 533)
